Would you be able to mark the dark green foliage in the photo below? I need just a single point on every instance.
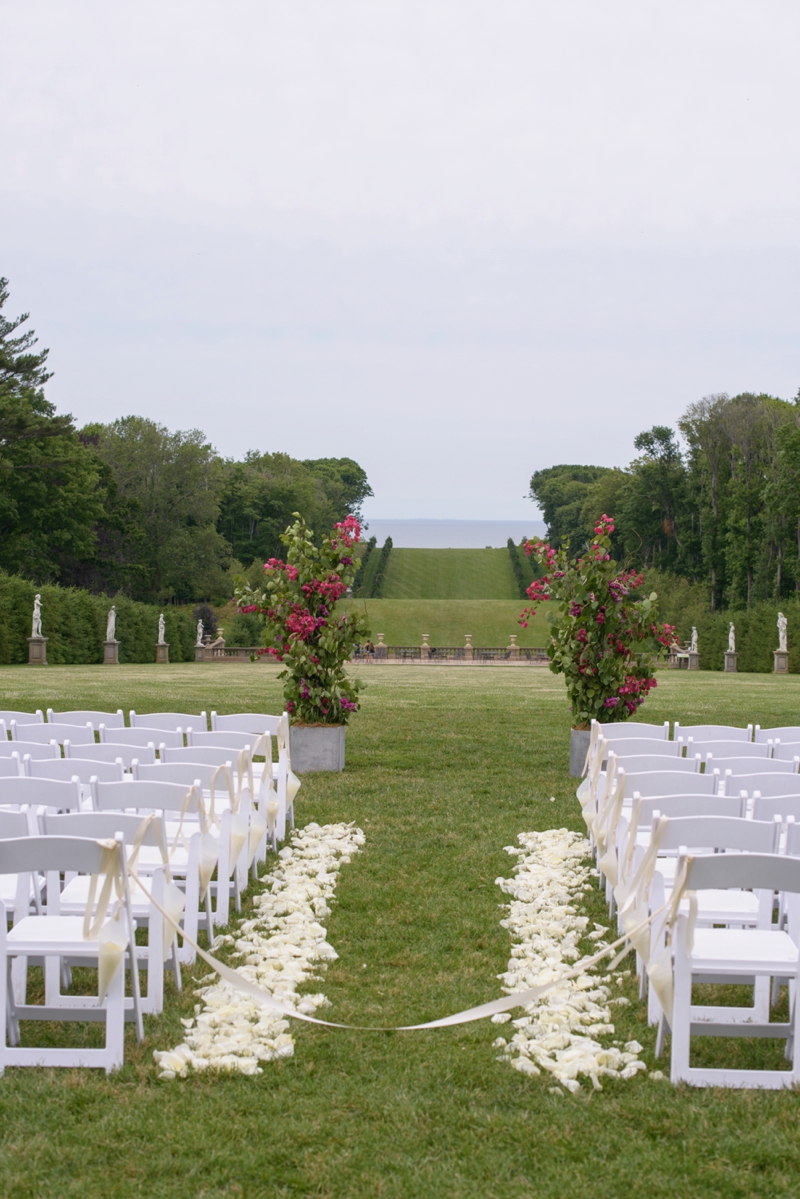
(756, 637)
(516, 566)
(205, 613)
(363, 564)
(374, 587)
(75, 624)
(561, 493)
(244, 629)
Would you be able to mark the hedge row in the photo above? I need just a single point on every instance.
(516, 566)
(756, 637)
(75, 624)
(358, 581)
(374, 590)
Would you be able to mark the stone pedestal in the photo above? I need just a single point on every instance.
(381, 650)
(694, 661)
(468, 647)
(730, 662)
(781, 661)
(162, 651)
(513, 649)
(37, 651)
(111, 653)
(425, 649)
(199, 653)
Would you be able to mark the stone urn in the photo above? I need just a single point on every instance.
(315, 747)
(578, 749)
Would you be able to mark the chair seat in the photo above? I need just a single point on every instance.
(51, 934)
(75, 895)
(735, 951)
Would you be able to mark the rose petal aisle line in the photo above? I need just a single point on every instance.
(283, 946)
(558, 1032)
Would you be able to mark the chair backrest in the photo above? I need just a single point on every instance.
(787, 732)
(68, 768)
(139, 736)
(751, 871)
(104, 824)
(21, 854)
(14, 824)
(11, 768)
(209, 755)
(786, 752)
(169, 721)
(747, 769)
(627, 729)
(711, 833)
(713, 732)
(150, 796)
(728, 749)
(224, 740)
(184, 773)
(793, 837)
(110, 753)
(680, 806)
(245, 722)
(53, 732)
(112, 720)
(658, 747)
(36, 717)
(670, 782)
(32, 749)
(50, 793)
(768, 807)
(643, 763)
(765, 784)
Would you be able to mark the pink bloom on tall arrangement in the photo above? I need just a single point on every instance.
(303, 630)
(606, 638)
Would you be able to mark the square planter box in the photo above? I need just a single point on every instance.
(316, 748)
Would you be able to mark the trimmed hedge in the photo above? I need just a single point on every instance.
(75, 624)
(358, 581)
(516, 566)
(374, 590)
(756, 637)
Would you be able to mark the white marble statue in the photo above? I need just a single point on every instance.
(161, 629)
(199, 640)
(693, 647)
(731, 639)
(36, 627)
(111, 624)
(782, 624)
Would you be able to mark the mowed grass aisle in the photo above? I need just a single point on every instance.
(445, 767)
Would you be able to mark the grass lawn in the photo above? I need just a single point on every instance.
(491, 622)
(449, 574)
(445, 767)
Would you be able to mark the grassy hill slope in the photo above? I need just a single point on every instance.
(491, 622)
(449, 574)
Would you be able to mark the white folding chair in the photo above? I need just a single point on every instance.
(55, 936)
(112, 720)
(69, 768)
(161, 941)
(140, 736)
(60, 795)
(670, 782)
(734, 954)
(786, 752)
(788, 732)
(644, 747)
(168, 721)
(612, 731)
(11, 768)
(746, 775)
(727, 749)
(246, 722)
(126, 754)
(713, 732)
(31, 749)
(44, 733)
(8, 715)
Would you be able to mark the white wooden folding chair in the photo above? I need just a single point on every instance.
(33, 749)
(140, 736)
(788, 751)
(713, 732)
(162, 942)
(7, 715)
(193, 850)
(644, 747)
(59, 795)
(168, 721)
(727, 749)
(112, 720)
(628, 729)
(125, 754)
(787, 732)
(94, 941)
(44, 733)
(70, 768)
(246, 722)
(11, 767)
(734, 954)
(746, 775)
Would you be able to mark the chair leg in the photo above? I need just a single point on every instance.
(176, 965)
(115, 1022)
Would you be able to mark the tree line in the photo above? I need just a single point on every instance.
(715, 500)
(135, 507)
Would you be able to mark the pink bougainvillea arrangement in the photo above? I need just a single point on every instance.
(606, 635)
(303, 630)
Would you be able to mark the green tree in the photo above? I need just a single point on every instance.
(654, 502)
(560, 493)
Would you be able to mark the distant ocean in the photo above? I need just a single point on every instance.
(452, 534)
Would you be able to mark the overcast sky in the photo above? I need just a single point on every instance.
(456, 241)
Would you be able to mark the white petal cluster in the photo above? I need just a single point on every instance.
(281, 947)
(559, 1032)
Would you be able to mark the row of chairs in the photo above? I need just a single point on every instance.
(242, 722)
(189, 830)
(724, 830)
